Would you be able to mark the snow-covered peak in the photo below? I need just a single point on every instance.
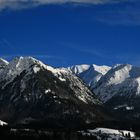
(77, 69)
(118, 74)
(18, 65)
(121, 80)
(90, 74)
(23, 62)
(120, 66)
(29, 64)
(101, 69)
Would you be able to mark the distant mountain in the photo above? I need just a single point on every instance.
(118, 87)
(32, 91)
(122, 80)
(90, 74)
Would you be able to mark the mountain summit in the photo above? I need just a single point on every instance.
(90, 74)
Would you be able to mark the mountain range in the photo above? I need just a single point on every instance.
(118, 87)
(31, 91)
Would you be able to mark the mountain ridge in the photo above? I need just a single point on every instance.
(109, 84)
(119, 90)
(90, 74)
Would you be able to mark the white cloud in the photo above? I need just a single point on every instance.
(19, 4)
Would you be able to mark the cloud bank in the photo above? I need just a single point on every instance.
(126, 15)
(20, 4)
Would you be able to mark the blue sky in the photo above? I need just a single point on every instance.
(63, 34)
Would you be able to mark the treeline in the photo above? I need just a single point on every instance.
(23, 134)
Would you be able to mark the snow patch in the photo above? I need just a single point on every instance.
(124, 106)
(49, 68)
(2, 123)
(129, 108)
(47, 91)
(62, 79)
(109, 133)
(113, 131)
(101, 69)
(120, 106)
(82, 98)
(36, 69)
(3, 62)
